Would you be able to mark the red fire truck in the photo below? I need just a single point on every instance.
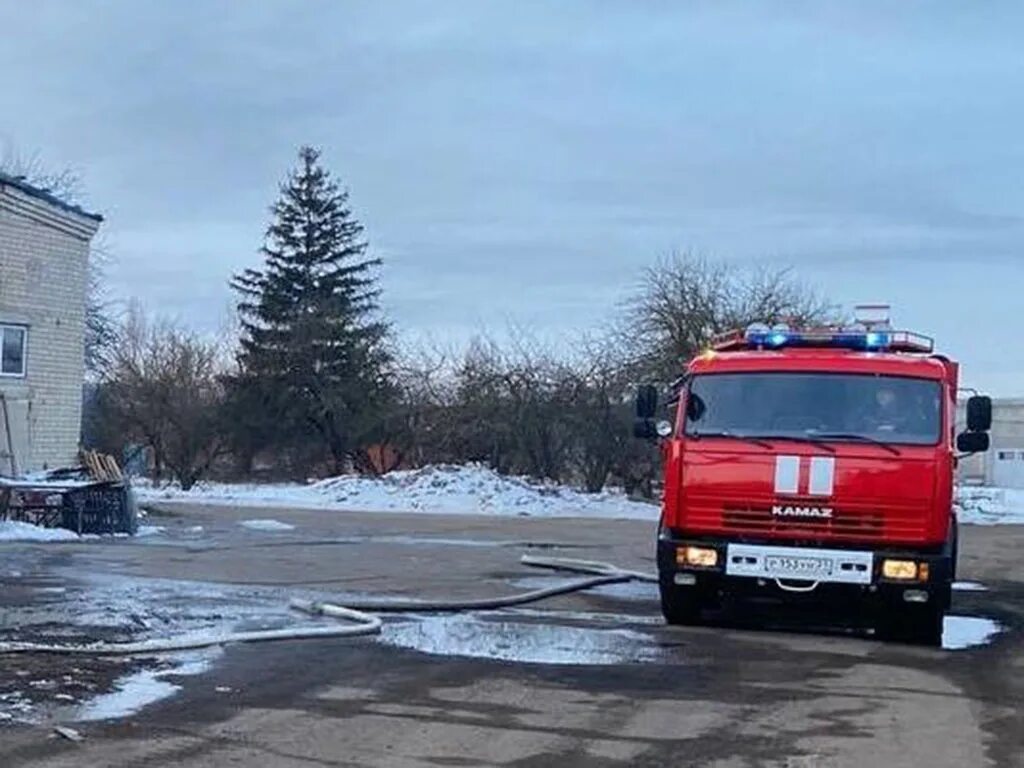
(814, 464)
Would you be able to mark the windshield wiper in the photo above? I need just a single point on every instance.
(858, 438)
(797, 439)
(763, 440)
(732, 435)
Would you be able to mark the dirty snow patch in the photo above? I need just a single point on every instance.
(11, 530)
(969, 586)
(989, 506)
(447, 489)
(959, 632)
(266, 525)
(140, 689)
(149, 530)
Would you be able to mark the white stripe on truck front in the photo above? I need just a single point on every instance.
(821, 480)
(787, 474)
(823, 474)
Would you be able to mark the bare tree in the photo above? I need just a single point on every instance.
(164, 387)
(685, 300)
(65, 184)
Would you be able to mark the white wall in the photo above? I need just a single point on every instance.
(1007, 438)
(44, 254)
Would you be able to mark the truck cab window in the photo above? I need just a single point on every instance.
(890, 409)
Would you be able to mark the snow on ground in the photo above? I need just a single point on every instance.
(470, 489)
(474, 489)
(266, 525)
(11, 530)
(139, 689)
(989, 506)
(969, 586)
(959, 632)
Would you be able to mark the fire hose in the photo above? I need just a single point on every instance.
(356, 612)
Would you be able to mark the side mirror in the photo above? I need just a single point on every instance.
(972, 442)
(649, 429)
(646, 401)
(645, 429)
(979, 413)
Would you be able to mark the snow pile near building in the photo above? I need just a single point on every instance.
(470, 489)
(989, 506)
(11, 530)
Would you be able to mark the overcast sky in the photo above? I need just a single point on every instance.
(525, 160)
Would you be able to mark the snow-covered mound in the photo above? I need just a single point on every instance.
(11, 530)
(470, 489)
(989, 506)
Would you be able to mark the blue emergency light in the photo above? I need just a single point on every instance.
(761, 336)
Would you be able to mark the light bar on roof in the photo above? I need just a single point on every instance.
(760, 336)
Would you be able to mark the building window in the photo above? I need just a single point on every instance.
(12, 350)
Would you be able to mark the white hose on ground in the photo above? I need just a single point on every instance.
(486, 603)
(585, 566)
(363, 623)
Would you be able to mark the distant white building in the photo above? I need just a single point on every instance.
(1003, 464)
(44, 258)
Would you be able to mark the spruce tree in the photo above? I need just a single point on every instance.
(313, 351)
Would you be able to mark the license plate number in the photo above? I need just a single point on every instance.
(761, 561)
(810, 566)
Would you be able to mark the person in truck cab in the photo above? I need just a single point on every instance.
(887, 416)
(889, 413)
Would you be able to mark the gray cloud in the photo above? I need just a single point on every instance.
(527, 159)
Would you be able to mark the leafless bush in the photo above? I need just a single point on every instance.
(164, 389)
(522, 407)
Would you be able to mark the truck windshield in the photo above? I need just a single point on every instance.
(855, 407)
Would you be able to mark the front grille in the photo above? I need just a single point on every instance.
(843, 524)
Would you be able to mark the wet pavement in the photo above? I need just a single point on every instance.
(586, 679)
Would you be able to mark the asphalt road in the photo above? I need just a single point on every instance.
(589, 679)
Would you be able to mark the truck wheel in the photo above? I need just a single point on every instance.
(920, 625)
(927, 625)
(680, 605)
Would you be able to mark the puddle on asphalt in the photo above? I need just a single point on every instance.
(115, 608)
(144, 687)
(526, 642)
(962, 632)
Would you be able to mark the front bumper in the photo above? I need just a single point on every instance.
(710, 580)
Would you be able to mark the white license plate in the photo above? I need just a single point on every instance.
(783, 566)
(828, 565)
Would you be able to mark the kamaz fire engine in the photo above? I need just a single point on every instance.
(814, 463)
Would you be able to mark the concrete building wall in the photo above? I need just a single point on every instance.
(1003, 464)
(44, 255)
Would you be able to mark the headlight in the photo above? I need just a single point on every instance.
(904, 570)
(701, 557)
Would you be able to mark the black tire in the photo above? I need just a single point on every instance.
(955, 554)
(681, 606)
(915, 624)
(927, 629)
